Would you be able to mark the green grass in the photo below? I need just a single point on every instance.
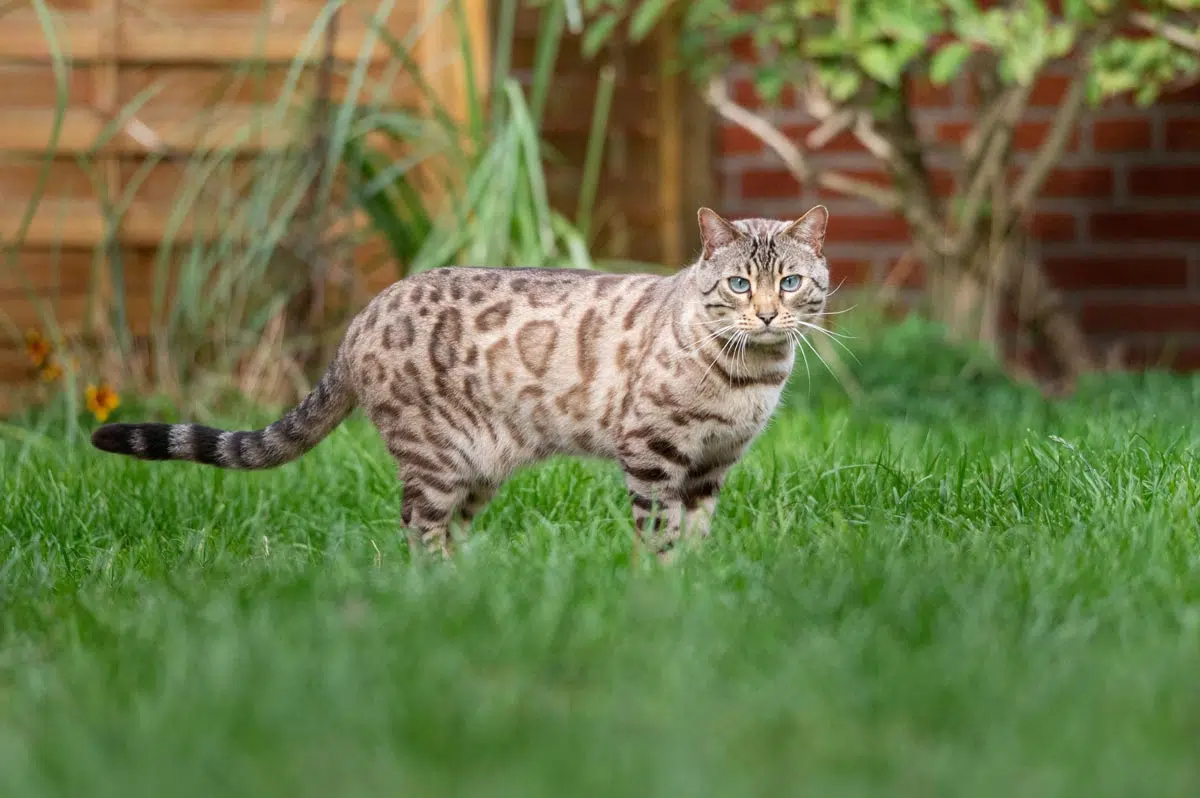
(952, 588)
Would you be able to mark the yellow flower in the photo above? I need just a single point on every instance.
(101, 401)
(37, 347)
(52, 371)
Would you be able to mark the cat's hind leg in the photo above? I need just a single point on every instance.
(430, 504)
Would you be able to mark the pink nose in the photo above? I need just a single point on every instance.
(767, 316)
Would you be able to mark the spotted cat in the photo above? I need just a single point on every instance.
(470, 373)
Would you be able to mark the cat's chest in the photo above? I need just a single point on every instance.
(749, 408)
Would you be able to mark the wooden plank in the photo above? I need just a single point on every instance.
(66, 178)
(185, 88)
(117, 50)
(245, 128)
(80, 224)
(15, 366)
(35, 86)
(438, 53)
(47, 273)
(107, 102)
(183, 39)
(569, 107)
(22, 36)
(68, 313)
(700, 173)
(670, 149)
(635, 61)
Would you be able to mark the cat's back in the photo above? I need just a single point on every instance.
(508, 329)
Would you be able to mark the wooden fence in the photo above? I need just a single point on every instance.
(658, 160)
(173, 59)
(175, 62)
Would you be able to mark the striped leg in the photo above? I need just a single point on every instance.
(666, 514)
(429, 505)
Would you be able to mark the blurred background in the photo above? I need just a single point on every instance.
(197, 195)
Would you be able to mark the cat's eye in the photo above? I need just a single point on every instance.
(790, 283)
(739, 285)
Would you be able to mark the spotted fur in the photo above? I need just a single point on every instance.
(472, 373)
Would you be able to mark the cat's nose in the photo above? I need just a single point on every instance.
(767, 316)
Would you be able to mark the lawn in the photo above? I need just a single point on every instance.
(951, 587)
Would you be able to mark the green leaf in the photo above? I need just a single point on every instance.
(598, 34)
(646, 16)
(947, 61)
(880, 62)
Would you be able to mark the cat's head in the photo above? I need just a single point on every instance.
(762, 276)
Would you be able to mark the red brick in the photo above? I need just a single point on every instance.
(768, 184)
(1122, 316)
(1146, 226)
(742, 48)
(738, 141)
(1183, 95)
(1073, 273)
(866, 229)
(942, 182)
(1183, 133)
(1121, 135)
(876, 177)
(1049, 226)
(1083, 182)
(1049, 90)
(849, 271)
(1182, 180)
(923, 94)
(1026, 135)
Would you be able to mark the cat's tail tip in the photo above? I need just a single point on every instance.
(113, 438)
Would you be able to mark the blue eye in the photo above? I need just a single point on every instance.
(739, 285)
(790, 283)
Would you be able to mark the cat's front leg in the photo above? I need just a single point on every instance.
(668, 514)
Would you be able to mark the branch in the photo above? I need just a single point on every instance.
(974, 145)
(988, 164)
(1065, 123)
(906, 160)
(1175, 34)
(792, 156)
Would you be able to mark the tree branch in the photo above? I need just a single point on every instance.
(792, 156)
(1175, 34)
(989, 163)
(906, 159)
(1064, 124)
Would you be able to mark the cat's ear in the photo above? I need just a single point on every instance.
(715, 232)
(810, 228)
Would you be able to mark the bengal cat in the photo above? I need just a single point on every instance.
(471, 373)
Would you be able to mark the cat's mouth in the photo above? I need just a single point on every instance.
(769, 336)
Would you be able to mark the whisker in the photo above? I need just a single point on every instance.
(835, 339)
(704, 376)
(795, 336)
(835, 312)
(824, 363)
(823, 330)
(744, 340)
(688, 352)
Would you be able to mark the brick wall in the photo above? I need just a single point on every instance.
(1118, 223)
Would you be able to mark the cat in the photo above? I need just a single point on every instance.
(470, 373)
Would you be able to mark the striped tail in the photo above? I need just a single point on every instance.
(298, 431)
